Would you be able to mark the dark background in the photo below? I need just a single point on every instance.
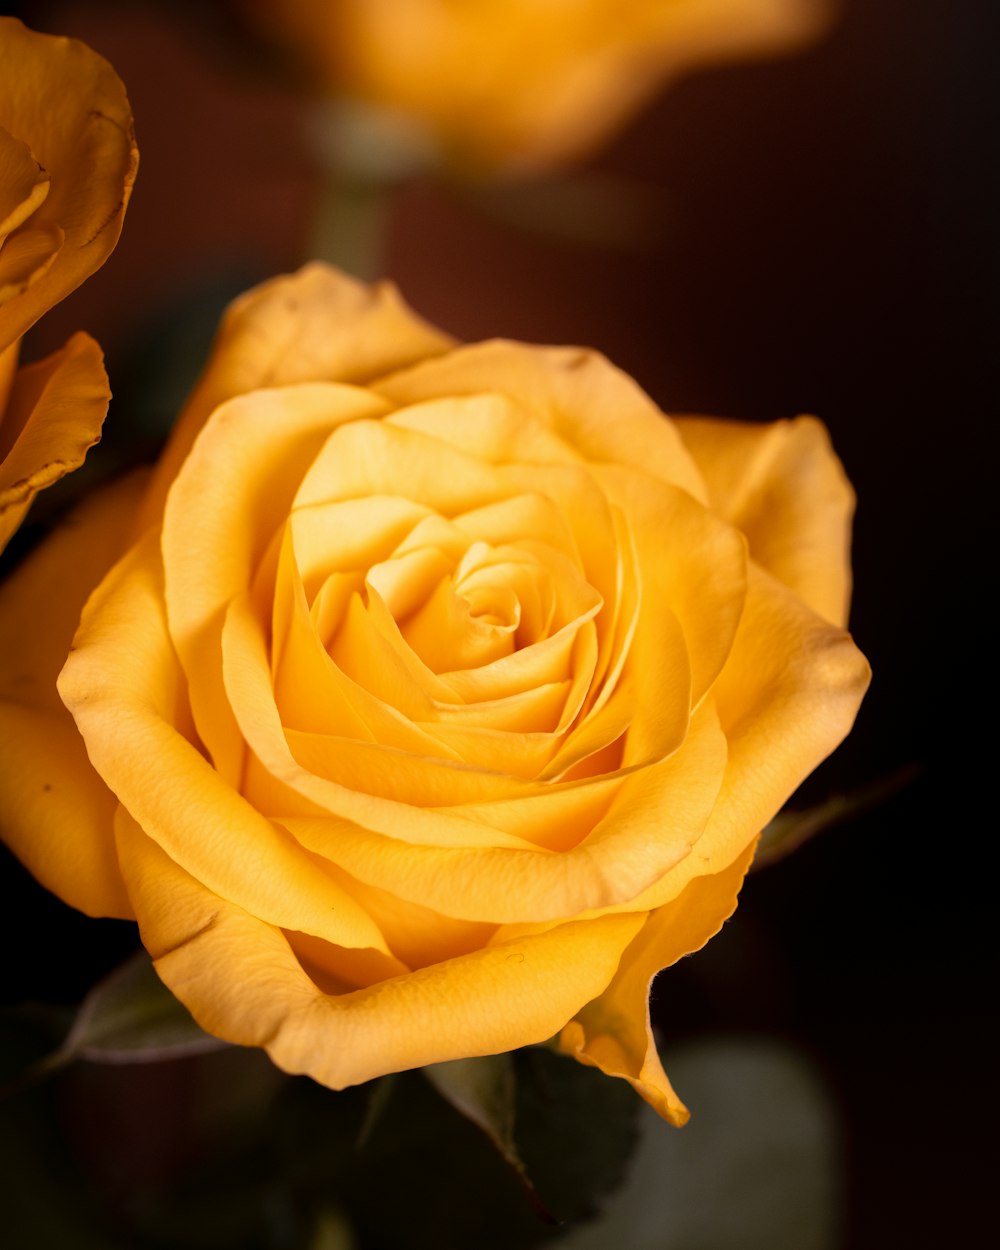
(819, 237)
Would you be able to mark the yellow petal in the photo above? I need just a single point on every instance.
(786, 698)
(317, 325)
(653, 820)
(700, 561)
(124, 686)
(240, 979)
(613, 1032)
(54, 415)
(55, 812)
(231, 496)
(782, 485)
(569, 389)
(69, 107)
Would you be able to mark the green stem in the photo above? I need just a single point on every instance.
(350, 223)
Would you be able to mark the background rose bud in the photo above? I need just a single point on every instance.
(67, 163)
(523, 84)
(436, 701)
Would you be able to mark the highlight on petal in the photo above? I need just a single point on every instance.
(54, 415)
(64, 110)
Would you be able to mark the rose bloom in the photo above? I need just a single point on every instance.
(428, 698)
(67, 163)
(522, 84)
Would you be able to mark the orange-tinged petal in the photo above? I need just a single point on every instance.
(241, 981)
(613, 1032)
(316, 325)
(783, 486)
(8, 368)
(26, 256)
(67, 105)
(24, 184)
(54, 416)
(55, 811)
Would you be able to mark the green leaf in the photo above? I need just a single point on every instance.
(131, 1017)
(483, 1090)
(576, 1129)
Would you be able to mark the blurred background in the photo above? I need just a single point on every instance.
(815, 234)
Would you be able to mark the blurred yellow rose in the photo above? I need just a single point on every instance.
(67, 164)
(435, 699)
(523, 84)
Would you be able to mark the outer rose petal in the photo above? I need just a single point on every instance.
(55, 810)
(316, 325)
(54, 415)
(786, 698)
(240, 980)
(782, 485)
(68, 105)
(573, 391)
(613, 1032)
(130, 707)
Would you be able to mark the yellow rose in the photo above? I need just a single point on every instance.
(67, 164)
(522, 84)
(434, 702)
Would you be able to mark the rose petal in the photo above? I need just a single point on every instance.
(316, 325)
(128, 704)
(782, 485)
(241, 981)
(55, 810)
(54, 416)
(232, 494)
(701, 560)
(69, 107)
(613, 1032)
(26, 257)
(787, 697)
(654, 819)
(570, 389)
(24, 184)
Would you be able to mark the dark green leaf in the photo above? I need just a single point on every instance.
(131, 1017)
(483, 1090)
